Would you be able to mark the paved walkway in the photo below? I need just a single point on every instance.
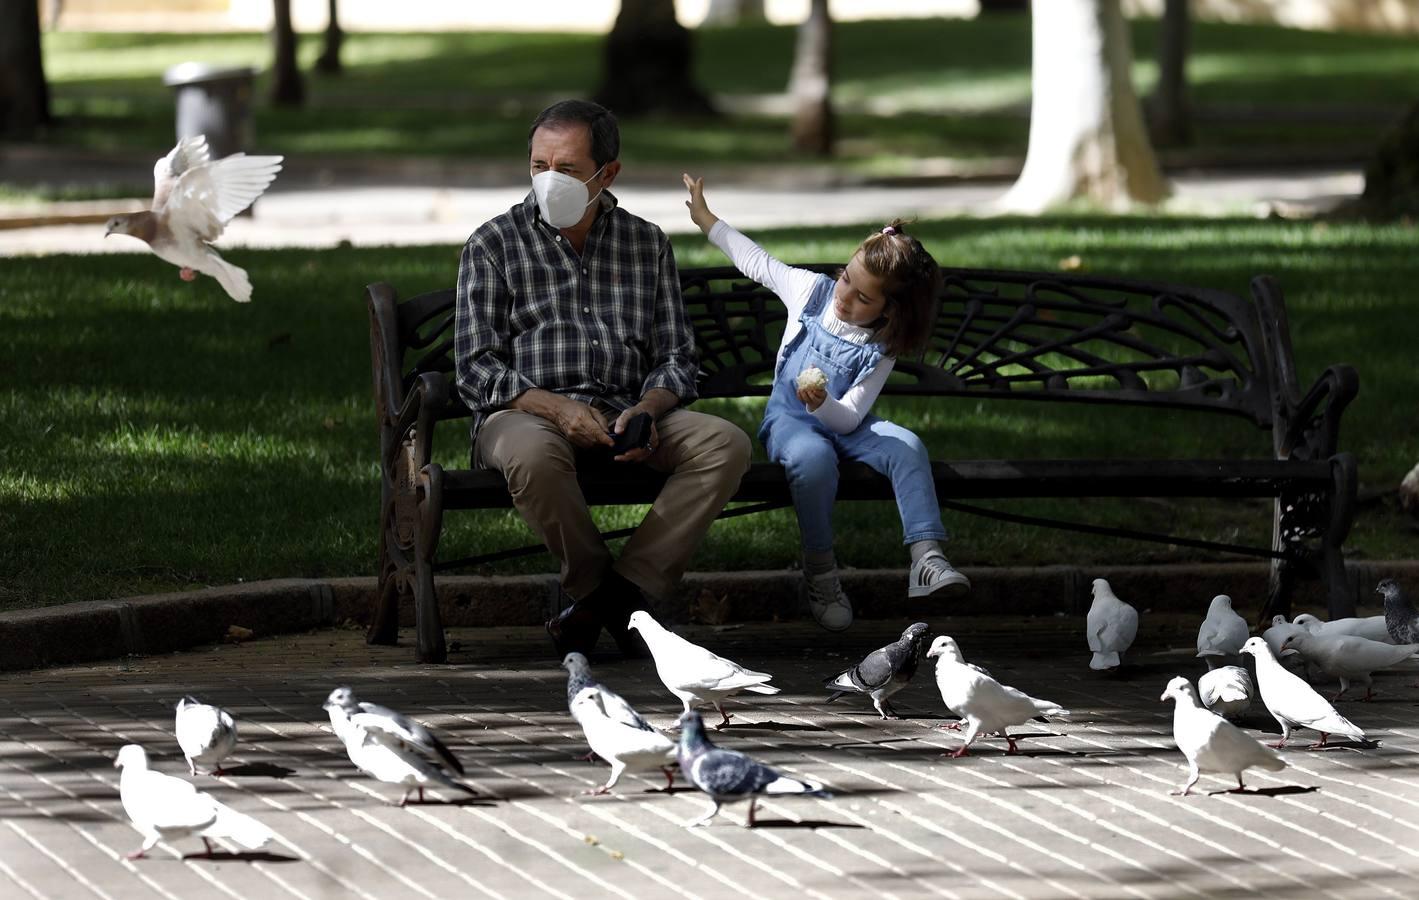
(1084, 812)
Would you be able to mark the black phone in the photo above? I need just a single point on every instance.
(637, 434)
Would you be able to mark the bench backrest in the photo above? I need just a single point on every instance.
(1016, 335)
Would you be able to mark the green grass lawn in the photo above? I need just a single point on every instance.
(954, 88)
(159, 436)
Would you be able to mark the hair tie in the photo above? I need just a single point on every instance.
(889, 230)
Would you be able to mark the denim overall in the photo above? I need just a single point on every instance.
(809, 451)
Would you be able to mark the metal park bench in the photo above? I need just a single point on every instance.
(1000, 336)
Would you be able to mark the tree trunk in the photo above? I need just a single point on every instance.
(1391, 176)
(1087, 138)
(811, 83)
(647, 64)
(734, 12)
(329, 59)
(287, 87)
(24, 93)
(1169, 112)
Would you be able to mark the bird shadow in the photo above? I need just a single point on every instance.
(1280, 791)
(804, 823)
(769, 726)
(460, 801)
(675, 789)
(248, 856)
(259, 770)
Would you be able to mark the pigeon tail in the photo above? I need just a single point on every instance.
(240, 827)
(762, 689)
(1104, 660)
(232, 278)
(785, 785)
(842, 684)
(835, 695)
(1053, 710)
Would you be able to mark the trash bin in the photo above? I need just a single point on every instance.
(215, 101)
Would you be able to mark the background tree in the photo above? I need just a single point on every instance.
(811, 83)
(1391, 175)
(287, 86)
(647, 63)
(734, 12)
(1169, 110)
(329, 59)
(1087, 138)
(24, 93)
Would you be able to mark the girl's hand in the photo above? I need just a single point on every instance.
(812, 397)
(699, 212)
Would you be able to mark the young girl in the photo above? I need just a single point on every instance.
(839, 345)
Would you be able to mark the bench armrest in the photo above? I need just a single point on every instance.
(423, 405)
(1314, 422)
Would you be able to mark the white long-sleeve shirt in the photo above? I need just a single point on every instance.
(794, 287)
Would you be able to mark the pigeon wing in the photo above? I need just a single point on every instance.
(382, 720)
(618, 710)
(166, 803)
(878, 667)
(729, 773)
(189, 153)
(205, 198)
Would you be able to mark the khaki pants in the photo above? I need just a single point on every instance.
(705, 456)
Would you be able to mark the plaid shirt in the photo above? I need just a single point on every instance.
(608, 325)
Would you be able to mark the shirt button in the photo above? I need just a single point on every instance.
(595, 343)
(583, 270)
(586, 309)
(558, 238)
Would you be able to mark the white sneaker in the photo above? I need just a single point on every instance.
(826, 600)
(932, 574)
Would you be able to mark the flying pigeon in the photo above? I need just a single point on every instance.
(1294, 703)
(1401, 619)
(206, 734)
(1112, 625)
(162, 807)
(635, 745)
(194, 197)
(1349, 658)
(383, 744)
(693, 673)
(1211, 743)
(1370, 627)
(728, 775)
(985, 704)
(882, 672)
(1226, 690)
(1222, 633)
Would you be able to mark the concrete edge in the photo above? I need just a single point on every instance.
(163, 623)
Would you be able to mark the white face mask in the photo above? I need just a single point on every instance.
(561, 198)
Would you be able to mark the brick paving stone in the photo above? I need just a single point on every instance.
(1083, 812)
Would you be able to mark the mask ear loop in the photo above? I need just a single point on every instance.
(593, 175)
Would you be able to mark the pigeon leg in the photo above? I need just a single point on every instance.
(404, 801)
(1192, 775)
(720, 707)
(217, 772)
(1320, 744)
(951, 726)
(590, 756)
(1009, 743)
(880, 704)
(597, 792)
(704, 819)
(669, 778)
(192, 768)
(1240, 788)
(186, 274)
(752, 802)
(963, 750)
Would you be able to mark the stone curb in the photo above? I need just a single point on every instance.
(162, 623)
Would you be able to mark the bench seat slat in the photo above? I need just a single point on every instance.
(955, 479)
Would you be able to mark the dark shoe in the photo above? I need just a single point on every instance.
(575, 629)
(615, 599)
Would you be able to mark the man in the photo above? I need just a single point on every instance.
(569, 323)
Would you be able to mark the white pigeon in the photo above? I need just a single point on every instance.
(1211, 743)
(1292, 702)
(1276, 634)
(1370, 627)
(1222, 633)
(384, 745)
(207, 734)
(984, 703)
(1348, 657)
(164, 808)
(1226, 690)
(1112, 625)
(693, 673)
(636, 746)
(194, 197)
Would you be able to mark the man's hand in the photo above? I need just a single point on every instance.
(636, 454)
(812, 397)
(583, 425)
(699, 212)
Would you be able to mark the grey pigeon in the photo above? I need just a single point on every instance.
(727, 776)
(1222, 633)
(194, 197)
(1111, 627)
(207, 734)
(1401, 619)
(382, 743)
(882, 672)
(1292, 702)
(1210, 742)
